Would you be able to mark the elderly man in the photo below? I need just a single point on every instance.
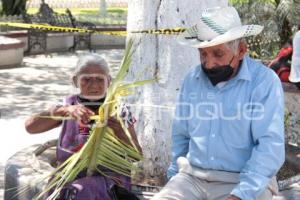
(228, 132)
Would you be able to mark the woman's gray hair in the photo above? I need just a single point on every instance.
(234, 45)
(91, 59)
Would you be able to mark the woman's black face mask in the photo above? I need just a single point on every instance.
(218, 73)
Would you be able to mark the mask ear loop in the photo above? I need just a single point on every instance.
(231, 60)
(109, 80)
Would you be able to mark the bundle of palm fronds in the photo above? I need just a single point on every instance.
(103, 148)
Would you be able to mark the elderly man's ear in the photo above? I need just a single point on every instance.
(242, 50)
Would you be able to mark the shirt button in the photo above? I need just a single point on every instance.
(210, 96)
(213, 135)
(212, 158)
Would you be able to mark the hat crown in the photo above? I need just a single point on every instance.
(217, 26)
(217, 21)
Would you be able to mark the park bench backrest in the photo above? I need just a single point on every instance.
(46, 15)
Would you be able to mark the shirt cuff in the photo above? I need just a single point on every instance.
(172, 171)
(236, 192)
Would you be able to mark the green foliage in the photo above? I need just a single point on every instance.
(266, 44)
(280, 19)
(117, 10)
(234, 2)
(84, 11)
(13, 7)
(115, 15)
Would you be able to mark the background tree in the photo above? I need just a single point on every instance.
(13, 7)
(163, 57)
(288, 18)
(281, 18)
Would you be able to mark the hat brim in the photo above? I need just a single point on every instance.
(230, 35)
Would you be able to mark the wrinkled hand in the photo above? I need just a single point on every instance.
(232, 197)
(115, 125)
(80, 113)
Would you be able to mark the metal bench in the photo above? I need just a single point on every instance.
(46, 15)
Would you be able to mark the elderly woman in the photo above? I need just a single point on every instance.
(92, 78)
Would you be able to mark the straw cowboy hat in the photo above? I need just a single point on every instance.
(217, 26)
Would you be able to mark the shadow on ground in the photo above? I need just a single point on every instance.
(42, 81)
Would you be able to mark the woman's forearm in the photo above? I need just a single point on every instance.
(38, 124)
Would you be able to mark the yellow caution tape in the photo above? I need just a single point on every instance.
(83, 30)
(61, 28)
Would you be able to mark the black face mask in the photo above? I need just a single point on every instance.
(218, 74)
(93, 105)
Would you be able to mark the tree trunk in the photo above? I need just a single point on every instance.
(103, 7)
(13, 7)
(164, 58)
(285, 32)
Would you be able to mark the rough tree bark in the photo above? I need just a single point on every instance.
(164, 58)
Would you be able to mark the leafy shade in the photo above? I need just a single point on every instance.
(13, 7)
(280, 18)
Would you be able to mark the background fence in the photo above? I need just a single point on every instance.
(77, 3)
(82, 10)
(14, 18)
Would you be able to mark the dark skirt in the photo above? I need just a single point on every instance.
(96, 187)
